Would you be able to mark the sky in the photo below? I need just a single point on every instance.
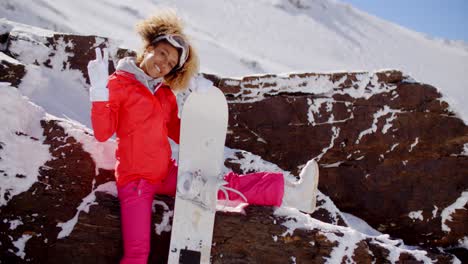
(446, 19)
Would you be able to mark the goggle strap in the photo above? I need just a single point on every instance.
(171, 39)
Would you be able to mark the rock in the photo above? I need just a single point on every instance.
(251, 238)
(12, 70)
(66, 183)
(62, 184)
(387, 146)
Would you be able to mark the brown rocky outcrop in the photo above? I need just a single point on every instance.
(12, 71)
(66, 182)
(389, 148)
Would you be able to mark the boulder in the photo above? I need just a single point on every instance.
(389, 148)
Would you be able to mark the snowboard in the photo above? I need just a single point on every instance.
(203, 130)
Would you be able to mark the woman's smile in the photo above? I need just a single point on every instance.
(160, 60)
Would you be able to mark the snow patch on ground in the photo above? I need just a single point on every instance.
(392, 147)
(382, 112)
(365, 86)
(416, 141)
(360, 225)
(434, 212)
(329, 206)
(463, 242)
(8, 26)
(465, 150)
(21, 139)
(165, 225)
(332, 165)
(294, 219)
(416, 215)
(446, 214)
(252, 163)
(314, 110)
(20, 244)
(388, 122)
(341, 45)
(334, 136)
(346, 246)
(15, 223)
(62, 93)
(90, 199)
(103, 153)
(4, 57)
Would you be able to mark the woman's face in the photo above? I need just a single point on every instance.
(159, 60)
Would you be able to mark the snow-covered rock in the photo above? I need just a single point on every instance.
(387, 146)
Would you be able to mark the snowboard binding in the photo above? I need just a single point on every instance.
(192, 186)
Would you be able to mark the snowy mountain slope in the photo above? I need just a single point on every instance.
(242, 37)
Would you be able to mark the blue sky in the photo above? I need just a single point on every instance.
(439, 18)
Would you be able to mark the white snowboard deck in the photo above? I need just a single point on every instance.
(202, 139)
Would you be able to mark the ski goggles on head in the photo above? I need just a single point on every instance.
(177, 42)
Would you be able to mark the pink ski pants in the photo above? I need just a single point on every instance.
(136, 199)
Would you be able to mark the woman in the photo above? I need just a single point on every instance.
(138, 103)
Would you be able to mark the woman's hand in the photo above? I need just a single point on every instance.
(98, 71)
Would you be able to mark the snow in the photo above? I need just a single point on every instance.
(293, 259)
(294, 219)
(15, 223)
(416, 141)
(275, 238)
(20, 244)
(90, 199)
(7, 24)
(365, 86)
(165, 225)
(463, 242)
(392, 147)
(330, 207)
(29, 48)
(21, 140)
(446, 214)
(334, 136)
(455, 260)
(434, 212)
(382, 112)
(420, 255)
(314, 84)
(228, 206)
(332, 165)
(9, 59)
(251, 162)
(416, 215)
(103, 153)
(465, 150)
(388, 123)
(314, 108)
(345, 249)
(270, 36)
(60, 92)
(49, 81)
(360, 225)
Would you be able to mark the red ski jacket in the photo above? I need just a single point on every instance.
(143, 122)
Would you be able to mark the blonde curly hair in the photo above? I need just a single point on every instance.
(167, 22)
